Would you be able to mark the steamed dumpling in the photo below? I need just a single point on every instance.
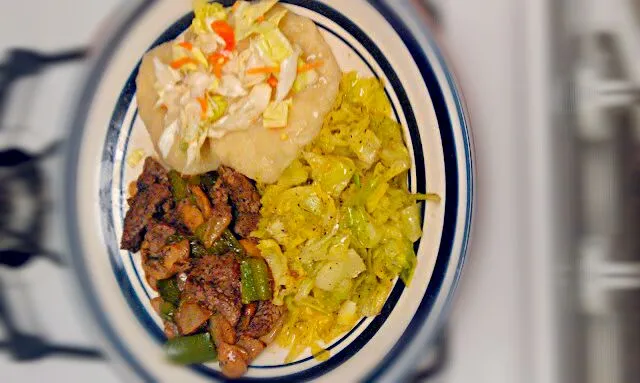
(258, 152)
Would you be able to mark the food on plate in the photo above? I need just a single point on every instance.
(286, 216)
(246, 86)
(338, 227)
(214, 296)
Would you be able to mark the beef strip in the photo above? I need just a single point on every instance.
(152, 191)
(153, 173)
(214, 282)
(245, 199)
(143, 206)
(171, 215)
(266, 316)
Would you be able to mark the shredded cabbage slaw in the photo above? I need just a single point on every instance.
(338, 227)
(212, 87)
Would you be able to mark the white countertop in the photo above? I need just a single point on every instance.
(488, 333)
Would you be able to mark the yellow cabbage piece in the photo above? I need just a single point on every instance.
(332, 173)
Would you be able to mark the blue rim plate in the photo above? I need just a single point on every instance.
(377, 38)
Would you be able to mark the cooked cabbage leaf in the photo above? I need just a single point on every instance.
(342, 220)
(332, 173)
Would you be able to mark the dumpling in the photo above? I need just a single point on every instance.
(257, 152)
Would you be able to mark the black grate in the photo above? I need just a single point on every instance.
(22, 180)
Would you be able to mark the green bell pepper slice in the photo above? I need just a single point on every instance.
(191, 349)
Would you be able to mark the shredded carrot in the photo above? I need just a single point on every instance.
(235, 6)
(224, 30)
(217, 58)
(263, 69)
(164, 107)
(204, 106)
(217, 61)
(272, 81)
(260, 18)
(186, 45)
(179, 63)
(310, 65)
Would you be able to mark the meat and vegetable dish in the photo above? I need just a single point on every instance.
(277, 210)
(194, 238)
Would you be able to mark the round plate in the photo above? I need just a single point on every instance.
(375, 38)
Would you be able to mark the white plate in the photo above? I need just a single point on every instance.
(368, 37)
